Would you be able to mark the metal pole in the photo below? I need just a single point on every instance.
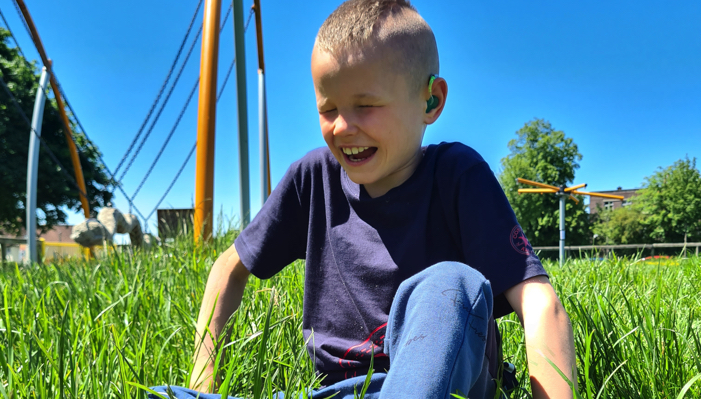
(33, 166)
(68, 133)
(206, 118)
(562, 228)
(263, 137)
(242, 112)
(262, 109)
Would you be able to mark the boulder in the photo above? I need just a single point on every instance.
(109, 222)
(89, 233)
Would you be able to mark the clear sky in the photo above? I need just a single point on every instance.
(623, 79)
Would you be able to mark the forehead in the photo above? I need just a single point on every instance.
(364, 70)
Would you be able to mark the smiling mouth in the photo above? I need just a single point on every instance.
(358, 154)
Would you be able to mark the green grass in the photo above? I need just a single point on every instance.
(106, 328)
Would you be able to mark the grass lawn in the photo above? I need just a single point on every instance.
(105, 328)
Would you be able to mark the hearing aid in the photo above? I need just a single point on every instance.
(433, 101)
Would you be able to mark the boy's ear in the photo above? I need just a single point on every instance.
(436, 100)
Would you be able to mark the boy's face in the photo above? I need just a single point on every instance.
(370, 118)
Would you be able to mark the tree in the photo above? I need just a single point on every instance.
(53, 189)
(621, 226)
(670, 202)
(545, 155)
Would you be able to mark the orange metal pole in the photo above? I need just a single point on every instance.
(618, 197)
(578, 186)
(259, 35)
(535, 183)
(261, 70)
(536, 190)
(206, 118)
(68, 133)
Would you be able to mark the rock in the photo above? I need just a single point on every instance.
(135, 233)
(109, 222)
(113, 221)
(88, 233)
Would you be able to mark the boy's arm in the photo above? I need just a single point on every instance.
(548, 335)
(227, 280)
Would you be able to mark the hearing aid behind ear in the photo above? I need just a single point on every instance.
(433, 101)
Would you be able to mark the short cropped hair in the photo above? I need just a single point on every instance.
(394, 24)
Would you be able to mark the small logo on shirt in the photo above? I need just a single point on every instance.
(520, 242)
(359, 355)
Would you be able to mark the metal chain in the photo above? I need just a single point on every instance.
(47, 91)
(163, 86)
(167, 140)
(160, 110)
(172, 183)
(70, 178)
(177, 122)
(13, 36)
(192, 150)
(21, 18)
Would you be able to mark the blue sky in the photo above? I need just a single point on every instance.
(623, 79)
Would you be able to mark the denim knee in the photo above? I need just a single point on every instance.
(457, 273)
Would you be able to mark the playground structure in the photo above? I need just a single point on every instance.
(208, 97)
(563, 193)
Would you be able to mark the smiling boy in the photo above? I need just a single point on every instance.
(411, 251)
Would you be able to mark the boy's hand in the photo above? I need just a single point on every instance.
(225, 285)
(548, 335)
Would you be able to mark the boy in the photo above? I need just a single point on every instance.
(387, 229)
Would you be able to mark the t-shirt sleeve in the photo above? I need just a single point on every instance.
(277, 236)
(491, 238)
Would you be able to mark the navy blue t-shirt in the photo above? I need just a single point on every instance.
(359, 249)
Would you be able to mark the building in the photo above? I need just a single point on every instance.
(53, 244)
(596, 203)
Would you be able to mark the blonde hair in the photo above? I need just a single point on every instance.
(357, 25)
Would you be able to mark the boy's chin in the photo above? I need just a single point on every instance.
(359, 179)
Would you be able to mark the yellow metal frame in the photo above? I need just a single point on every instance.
(535, 183)
(618, 197)
(206, 118)
(536, 190)
(549, 189)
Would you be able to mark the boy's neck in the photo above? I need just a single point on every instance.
(397, 178)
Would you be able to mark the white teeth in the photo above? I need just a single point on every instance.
(353, 150)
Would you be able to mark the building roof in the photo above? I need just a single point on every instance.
(59, 233)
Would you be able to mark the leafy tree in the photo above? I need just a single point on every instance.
(546, 155)
(53, 191)
(671, 202)
(621, 226)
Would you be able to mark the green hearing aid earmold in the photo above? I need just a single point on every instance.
(433, 101)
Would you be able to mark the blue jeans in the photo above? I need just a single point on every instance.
(435, 340)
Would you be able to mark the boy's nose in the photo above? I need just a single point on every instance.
(344, 126)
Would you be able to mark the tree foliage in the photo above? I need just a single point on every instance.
(53, 190)
(546, 155)
(621, 226)
(671, 202)
(666, 209)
